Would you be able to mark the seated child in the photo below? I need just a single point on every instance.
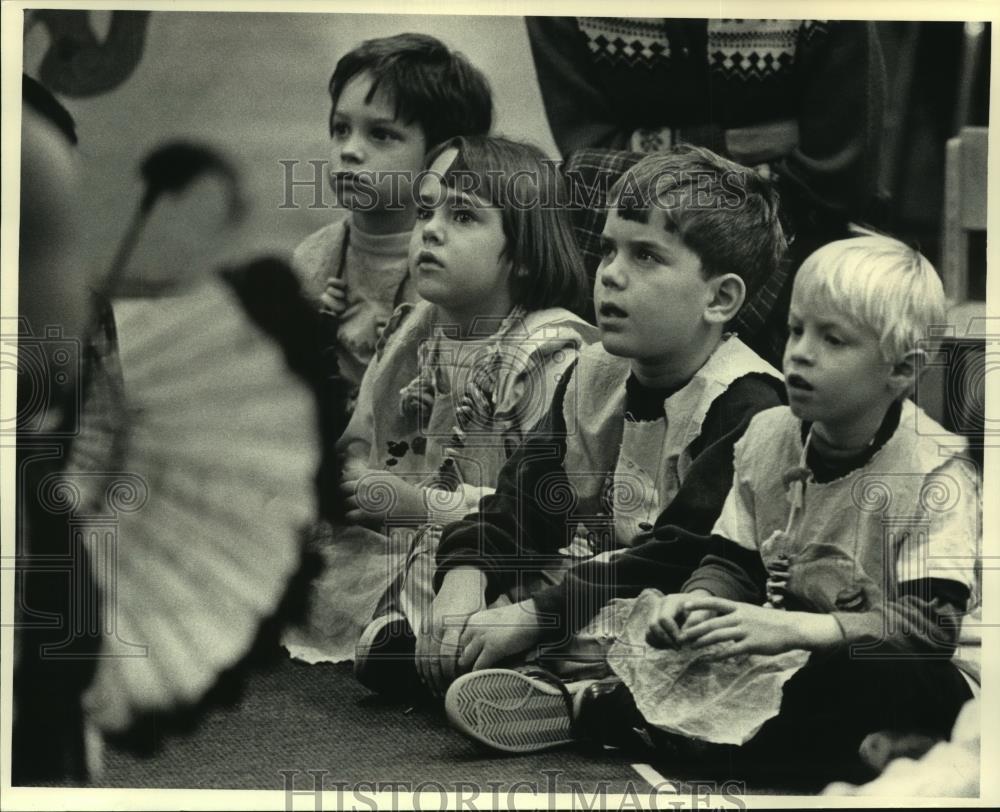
(457, 378)
(641, 431)
(392, 100)
(864, 520)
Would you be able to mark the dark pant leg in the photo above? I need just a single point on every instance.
(835, 701)
(827, 709)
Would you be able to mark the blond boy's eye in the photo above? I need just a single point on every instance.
(340, 128)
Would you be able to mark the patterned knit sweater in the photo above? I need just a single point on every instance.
(804, 97)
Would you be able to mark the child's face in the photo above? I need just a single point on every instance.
(834, 370)
(456, 245)
(649, 293)
(368, 138)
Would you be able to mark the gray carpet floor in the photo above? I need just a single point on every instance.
(293, 718)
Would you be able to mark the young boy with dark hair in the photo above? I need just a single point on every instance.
(392, 100)
(852, 513)
(640, 433)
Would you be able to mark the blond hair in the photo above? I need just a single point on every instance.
(880, 283)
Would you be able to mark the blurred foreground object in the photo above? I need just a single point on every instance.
(159, 523)
(948, 770)
(78, 62)
(54, 647)
(214, 449)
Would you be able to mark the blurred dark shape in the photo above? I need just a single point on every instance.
(56, 601)
(77, 63)
(170, 169)
(35, 96)
(173, 166)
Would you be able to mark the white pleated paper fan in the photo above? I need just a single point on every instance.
(199, 476)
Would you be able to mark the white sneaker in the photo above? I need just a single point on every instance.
(513, 711)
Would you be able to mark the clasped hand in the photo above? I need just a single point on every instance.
(494, 635)
(466, 636)
(372, 497)
(699, 620)
(333, 302)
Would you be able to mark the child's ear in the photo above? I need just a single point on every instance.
(728, 294)
(905, 372)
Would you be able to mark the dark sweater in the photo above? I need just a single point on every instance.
(833, 88)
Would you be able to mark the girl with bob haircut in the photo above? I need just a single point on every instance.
(457, 380)
(528, 190)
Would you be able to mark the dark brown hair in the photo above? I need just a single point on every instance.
(724, 212)
(436, 87)
(527, 187)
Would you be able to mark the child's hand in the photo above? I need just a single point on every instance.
(462, 595)
(334, 297)
(758, 629)
(376, 496)
(493, 635)
(674, 614)
(417, 397)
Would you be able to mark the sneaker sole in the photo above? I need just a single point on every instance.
(508, 711)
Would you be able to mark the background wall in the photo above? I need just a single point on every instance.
(255, 86)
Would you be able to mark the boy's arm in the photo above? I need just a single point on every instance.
(678, 541)
(925, 618)
(937, 571)
(517, 530)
